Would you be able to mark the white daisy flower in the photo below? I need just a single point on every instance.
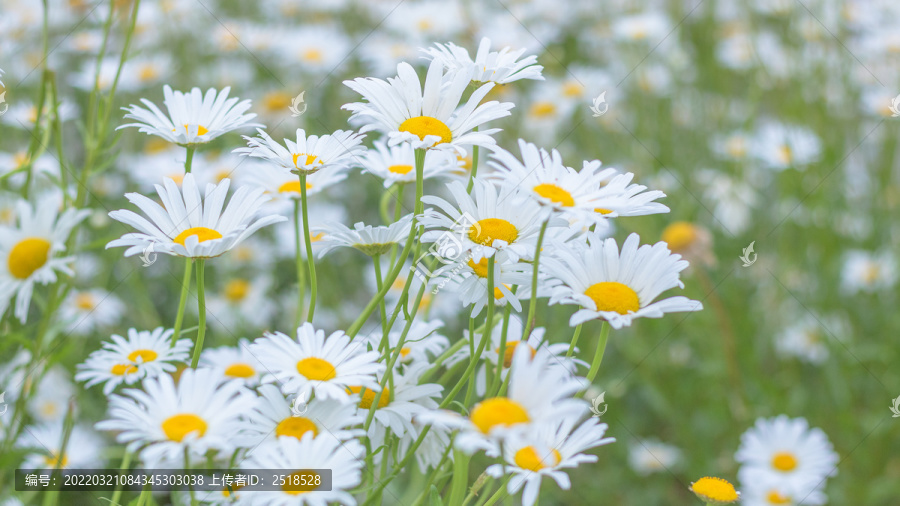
(398, 406)
(397, 164)
(274, 417)
(240, 302)
(314, 364)
(781, 146)
(616, 287)
(87, 310)
(768, 490)
(145, 354)
(491, 355)
(501, 67)
(788, 449)
(805, 339)
(234, 362)
(545, 450)
(469, 280)
(282, 186)
(188, 226)
(198, 415)
(426, 117)
(538, 392)
(485, 222)
(343, 458)
(422, 344)
(52, 396)
(83, 449)
(193, 118)
(864, 271)
(30, 252)
(368, 239)
(307, 154)
(652, 456)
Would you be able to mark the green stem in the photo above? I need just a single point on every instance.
(598, 355)
(486, 336)
(301, 277)
(126, 463)
(501, 354)
(460, 478)
(309, 253)
(474, 171)
(189, 160)
(201, 305)
(532, 304)
(440, 360)
(385, 343)
(499, 493)
(574, 340)
(182, 302)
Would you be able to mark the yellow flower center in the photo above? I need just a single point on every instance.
(404, 351)
(495, 411)
(143, 354)
(368, 397)
(316, 237)
(871, 273)
(313, 55)
(714, 489)
(155, 145)
(542, 109)
(785, 155)
(277, 101)
(613, 296)
(20, 159)
(400, 169)
(528, 458)
(511, 350)
(556, 194)
(201, 130)
(486, 231)
(315, 368)
(310, 159)
(774, 497)
(293, 186)
(296, 426)
(240, 370)
(498, 294)
(28, 256)
(784, 461)
(422, 126)
(202, 233)
(237, 289)
(147, 73)
(299, 482)
(53, 459)
(481, 268)
(178, 426)
(123, 369)
(679, 235)
(572, 89)
(602, 211)
(84, 301)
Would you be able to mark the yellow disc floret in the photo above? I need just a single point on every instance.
(27, 256)
(488, 230)
(495, 411)
(422, 126)
(613, 296)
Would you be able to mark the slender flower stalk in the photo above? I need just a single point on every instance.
(574, 340)
(304, 208)
(474, 171)
(598, 354)
(182, 301)
(189, 159)
(532, 304)
(301, 278)
(201, 306)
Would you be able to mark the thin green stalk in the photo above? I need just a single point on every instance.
(298, 261)
(432, 476)
(436, 364)
(574, 340)
(598, 355)
(499, 494)
(117, 493)
(532, 304)
(385, 343)
(486, 336)
(51, 498)
(182, 301)
(309, 253)
(460, 478)
(501, 351)
(189, 160)
(474, 171)
(201, 306)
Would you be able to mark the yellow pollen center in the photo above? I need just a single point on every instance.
(556, 194)
(368, 397)
(293, 186)
(28, 256)
(785, 154)
(871, 273)
(237, 289)
(147, 73)
(495, 411)
(679, 235)
(177, 427)
(784, 462)
(296, 426)
(276, 101)
(201, 130)
(404, 351)
(602, 211)
(714, 489)
(309, 160)
(317, 237)
(774, 497)
(422, 126)
(511, 350)
(528, 458)
(498, 294)
(572, 89)
(20, 159)
(315, 368)
(488, 230)
(123, 369)
(143, 354)
(53, 459)
(400, 169)
(84, 301)
(240, 370)
(313, 55)
(543, 109)
(613, 296)
(481, 268)
(202, 233)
